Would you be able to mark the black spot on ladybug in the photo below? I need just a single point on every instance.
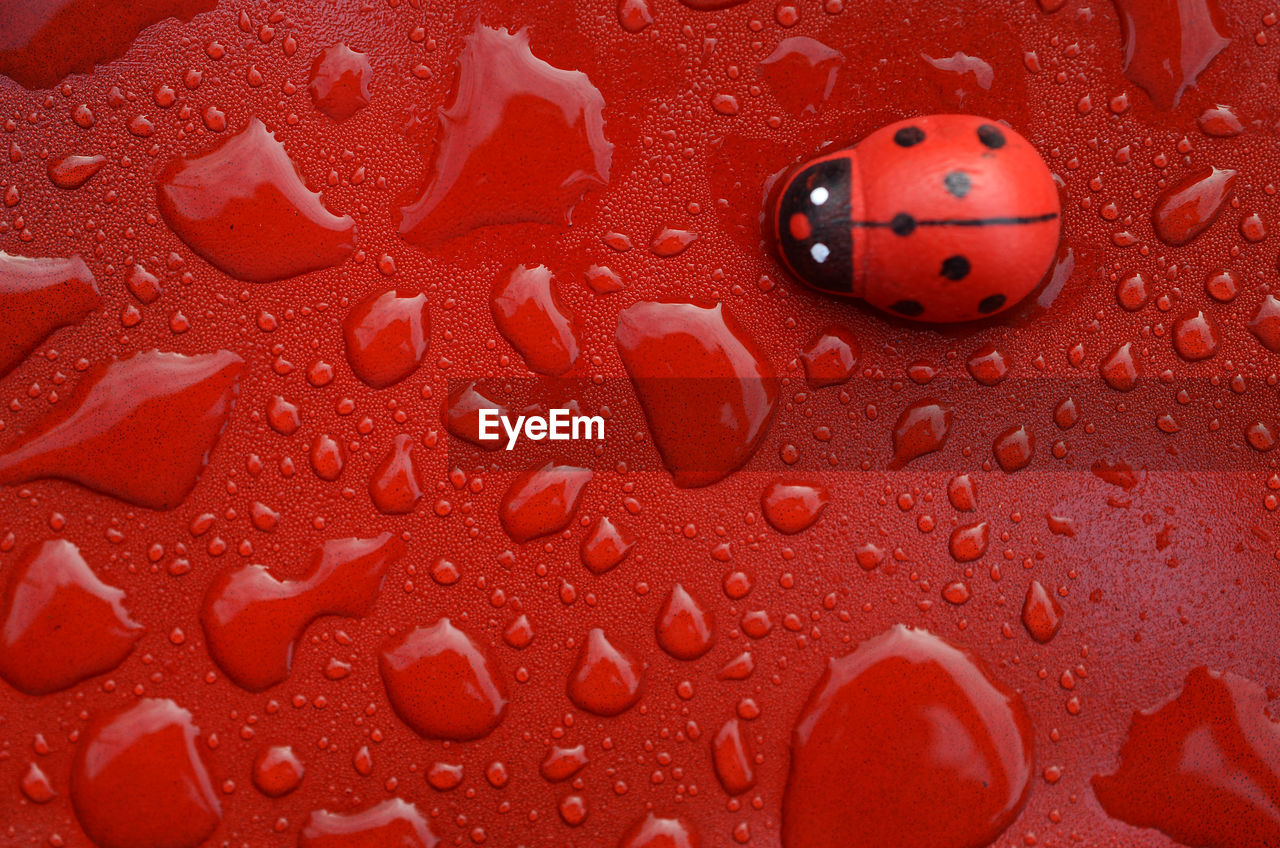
(902, 224)
(957, 182)
(909, 308)
(991, 303)
(991, 136)
(908, 136)
(955, 267)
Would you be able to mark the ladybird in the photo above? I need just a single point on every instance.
(940, 218)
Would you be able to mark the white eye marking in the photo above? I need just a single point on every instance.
(819, 252)
(818, 196)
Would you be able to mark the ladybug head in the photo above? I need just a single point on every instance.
(813, 228)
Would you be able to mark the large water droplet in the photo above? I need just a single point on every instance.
(707, 392)
(531, 317)
(1041, 613)
(243, 207)
(139, 428)
(542, 500)
(830, 357)
(340, 81)
(37, 296)
(922, 428)
(60, 624)
(685, 629)
(906, 742)
(791, 506)
(1187, 209)
(606, 545)
(41, 43)
(395, 487)
(521, 142)
(801, 72)
(656, 832)
(1203, 768)
(277, 771)
(137, 780)
(253, 621)
(1167, 43)
(1265, 323)
(387, 334)
(442, 684)
(392, 824)
(733, 759)
(605, 681)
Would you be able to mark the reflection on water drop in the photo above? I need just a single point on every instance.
(253, 621)
(442, 684)
(242, 206)
(1203, 768)
(393, 822)
(521, 142)
(907, 742)
(139, 429)
(60, 624)
(707, 391)
(37, 296)
(137, 780)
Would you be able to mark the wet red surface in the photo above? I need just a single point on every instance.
(262, 583)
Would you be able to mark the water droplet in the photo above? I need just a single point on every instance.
(395, 487)
(137, 780)
(908, 742)
(1014, 448)
(707, 392)
(521, 142)
(1187, 209)
(922, 428)
(969, 542)
(462, 415)
(37, 296)
(442, 684)
(242, 206)
(605, 681)
(340, 81)
(277, 771)
(563, 763)
(831, 357)
(606, 545)
(387, 334)
(44, 42)
(1203, 768)
(1120, 370)
(685, 629)
(1195, 336)
(529, 314)
(36, 786)
(139, 429)
(801, 72)
(733, 759)
(392, 823)
(71, 171)
(791, 506)
(655, 832)
(253, 621)
(1167, 45)
(1041, 613)
(60, 624)
(542, 500)
(1220, 122)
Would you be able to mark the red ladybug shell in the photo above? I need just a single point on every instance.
(939, 218)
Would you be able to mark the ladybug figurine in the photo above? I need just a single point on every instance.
(939, 218)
